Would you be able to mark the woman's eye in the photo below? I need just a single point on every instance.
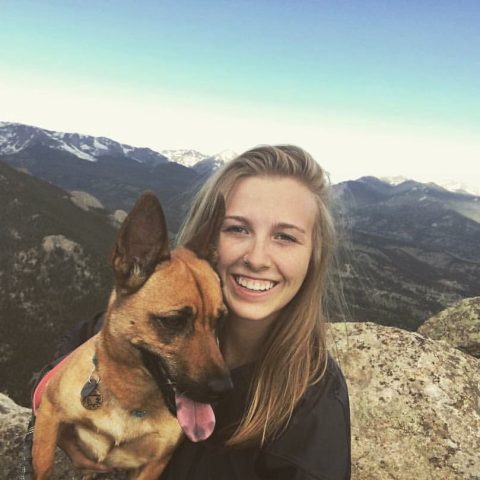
(286, 238)
(235, 229)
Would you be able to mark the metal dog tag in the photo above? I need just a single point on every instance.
(90, 397)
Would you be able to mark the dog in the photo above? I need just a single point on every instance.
(147, 378)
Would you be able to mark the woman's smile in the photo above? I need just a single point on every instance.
(252, 286)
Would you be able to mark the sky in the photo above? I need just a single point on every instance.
(368, 87)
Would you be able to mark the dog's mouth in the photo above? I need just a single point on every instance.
(196, 419)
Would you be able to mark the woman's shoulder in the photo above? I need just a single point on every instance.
(317, 438)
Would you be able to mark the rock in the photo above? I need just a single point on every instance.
(85, 201)
(53, 242)
(458, 325)
(117, 218)
(13, 426)
(415, 404)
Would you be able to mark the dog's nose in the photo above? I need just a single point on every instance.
(218, 385)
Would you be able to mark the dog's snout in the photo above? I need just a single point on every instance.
(220, 384)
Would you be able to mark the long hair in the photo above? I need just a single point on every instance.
(294, 355)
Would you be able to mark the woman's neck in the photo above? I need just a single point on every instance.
(243, 340)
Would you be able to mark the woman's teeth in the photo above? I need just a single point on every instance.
(255, 285)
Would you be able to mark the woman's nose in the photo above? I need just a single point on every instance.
(257, 257)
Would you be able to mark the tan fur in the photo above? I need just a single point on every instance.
(111, 434)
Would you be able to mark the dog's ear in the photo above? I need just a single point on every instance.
(204, 242)
(141, 244)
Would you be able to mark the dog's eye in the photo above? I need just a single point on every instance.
(174, 323)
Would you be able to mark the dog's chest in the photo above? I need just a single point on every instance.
(124, 439)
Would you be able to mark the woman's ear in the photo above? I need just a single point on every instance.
(204, 242)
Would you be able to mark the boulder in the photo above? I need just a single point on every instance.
(13, 427)
(415, 407)
(415, 404)
(458, 325)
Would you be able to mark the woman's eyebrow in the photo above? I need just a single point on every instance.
(236, 217)
(289, 225)
(280, 225)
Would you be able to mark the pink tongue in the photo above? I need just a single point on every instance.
(196, 419)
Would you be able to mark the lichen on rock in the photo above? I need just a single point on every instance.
(458, 325)
(415, 404)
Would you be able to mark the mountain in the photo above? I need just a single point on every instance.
(15, 137)
(54, 272)
(116, 174)
(209, 165)
(114, 178)
(451, 186)
(185, 157)
(413, 249)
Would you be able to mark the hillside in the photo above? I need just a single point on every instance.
(54, 272)
(413, 249)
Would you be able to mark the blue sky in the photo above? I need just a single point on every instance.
(369, 87)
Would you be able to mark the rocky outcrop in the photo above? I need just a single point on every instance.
(117, 218)
(85, 201)
(458, 325)
(13, 426)
(415, 404)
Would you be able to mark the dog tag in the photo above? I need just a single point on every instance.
(90, 397)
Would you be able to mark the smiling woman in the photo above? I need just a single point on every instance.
(288, 415)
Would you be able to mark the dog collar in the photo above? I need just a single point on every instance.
(91, 397)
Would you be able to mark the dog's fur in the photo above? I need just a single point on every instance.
(159, 332)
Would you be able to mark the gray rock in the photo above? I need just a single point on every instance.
(85, 200)
(13, 427)
(415, 404)
(458, 325)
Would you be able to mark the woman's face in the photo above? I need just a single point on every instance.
(265, 245)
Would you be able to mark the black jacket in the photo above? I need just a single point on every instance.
(315, 445)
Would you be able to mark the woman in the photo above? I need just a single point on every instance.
(288, 414)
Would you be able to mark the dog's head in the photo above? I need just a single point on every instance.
(168, 305)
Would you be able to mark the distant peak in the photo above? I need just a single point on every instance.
(225, 155)
(395, 180)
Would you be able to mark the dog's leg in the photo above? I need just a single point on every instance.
(44, 440)
(152, 470)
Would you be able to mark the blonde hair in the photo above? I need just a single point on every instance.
(294, 355)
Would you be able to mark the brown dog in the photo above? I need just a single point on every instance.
(156, 356)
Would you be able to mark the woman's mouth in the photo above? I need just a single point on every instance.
(254, 285)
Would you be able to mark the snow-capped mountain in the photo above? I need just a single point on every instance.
(451, 186)
(394, 180)
(15, 137)
(208, 165)
(460, 187)
(200, 161)
(224, 156)
(187, 158)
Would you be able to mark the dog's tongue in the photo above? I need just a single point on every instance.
(196, 419)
